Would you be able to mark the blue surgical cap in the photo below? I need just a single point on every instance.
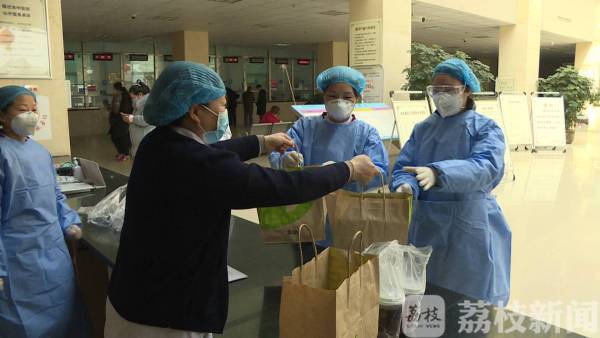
(178, 87)
(459, 70)
(8, 94)
(341, 74)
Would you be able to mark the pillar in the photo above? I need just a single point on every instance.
(519, 49)
(380, 38)
(332, 53)
(587, 60)
(190, 46)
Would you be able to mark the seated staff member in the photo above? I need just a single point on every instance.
(170, 276)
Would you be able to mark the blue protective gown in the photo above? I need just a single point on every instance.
(320, 140)
(39, 297)
(459, 217)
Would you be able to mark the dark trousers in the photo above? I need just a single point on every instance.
(119, 135)
(248, 111)
(232, 117)
(261, 108)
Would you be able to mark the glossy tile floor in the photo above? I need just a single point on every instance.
(553, 208)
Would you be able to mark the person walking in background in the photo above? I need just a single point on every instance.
(138, 128)
(248, 99)
(232, 98)
(119, 130)
(272, 116)
(261, 101)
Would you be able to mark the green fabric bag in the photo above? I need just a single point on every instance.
(280, 224)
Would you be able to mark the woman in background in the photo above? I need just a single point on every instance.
(138, 128)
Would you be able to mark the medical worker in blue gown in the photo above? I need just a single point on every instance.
(37, 283)
(451, 163)
(336, 135)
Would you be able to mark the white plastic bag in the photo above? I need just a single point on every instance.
(110, 211)
(402, 270)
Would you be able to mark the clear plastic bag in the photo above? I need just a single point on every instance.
(110, 211)
(402, 272)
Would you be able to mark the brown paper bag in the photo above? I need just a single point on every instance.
(381, 216)
(280, 224)
(323, 300)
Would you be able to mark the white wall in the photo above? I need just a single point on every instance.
(501, 10)
(573, 18)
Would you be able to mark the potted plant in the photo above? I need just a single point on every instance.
(576, 90)
(424, 59)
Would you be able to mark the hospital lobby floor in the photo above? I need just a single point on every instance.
(553, 208)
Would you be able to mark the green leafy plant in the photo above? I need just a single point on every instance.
(425, 58)
(576, 89)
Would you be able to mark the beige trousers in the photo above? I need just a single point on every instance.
(118, 327)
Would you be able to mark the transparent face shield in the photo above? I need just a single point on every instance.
(452, 90)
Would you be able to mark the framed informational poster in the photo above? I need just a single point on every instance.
(365, 43)
(548, 120)
(43, 130)
(373, 92)
(24, 45)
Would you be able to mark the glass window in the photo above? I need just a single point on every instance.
(233, 75)
(256, 73)
(162, 61)
(280, 87)
(212, 62)
(303, 78)
(99, 77)
(138, 70)
(74, 74)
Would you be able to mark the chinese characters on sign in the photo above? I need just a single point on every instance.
(548, 116)
(43, 131)
(24, 47)
(373, 92)
(365, 43)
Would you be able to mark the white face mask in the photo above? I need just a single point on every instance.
(339, 110)
(24, 124)
(448, 104)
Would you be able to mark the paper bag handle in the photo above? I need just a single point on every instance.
(314, 245)
(356, 235)
(362, 193)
